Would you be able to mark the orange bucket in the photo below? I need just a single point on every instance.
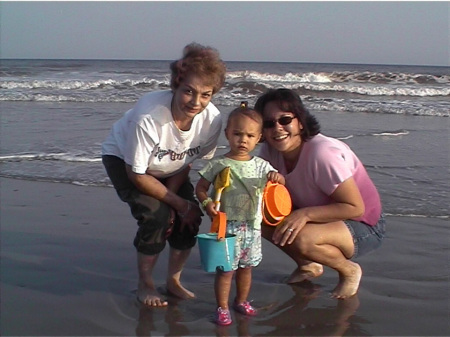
(277, 203)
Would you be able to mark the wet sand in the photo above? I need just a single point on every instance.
(68, 269)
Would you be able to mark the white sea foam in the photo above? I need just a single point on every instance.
(399, 133)
(444, 216)
(392, 92)
(67, 157)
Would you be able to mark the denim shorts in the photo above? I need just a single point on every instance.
(365, 237)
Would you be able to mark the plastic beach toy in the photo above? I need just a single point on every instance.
(277, 203)
(217, 247)
(216, 254)
(219, 223)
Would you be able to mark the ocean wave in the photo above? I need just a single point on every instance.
(240, 81)
(397, 78)
(413, 108)
(147, 83)
(389, 77)
(374, 90)
(229, 98)
(122, 98)
(407, 215)
(371, 84)
(377, 91)
(105, 183)
(254, 76)
(392, 133)
(66, 157)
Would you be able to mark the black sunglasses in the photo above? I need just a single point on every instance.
(285, 120)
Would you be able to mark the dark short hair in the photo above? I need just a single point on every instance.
(244, 110)
(289, 101)
(202, 61)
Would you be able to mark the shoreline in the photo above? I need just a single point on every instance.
(68, 268)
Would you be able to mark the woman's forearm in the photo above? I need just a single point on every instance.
(174, 182)
(152, 187)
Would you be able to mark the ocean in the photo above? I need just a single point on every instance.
(67, 263)
(56, 113)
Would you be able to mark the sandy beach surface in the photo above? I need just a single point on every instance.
(68, 269)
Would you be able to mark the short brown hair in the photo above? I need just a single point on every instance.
(202, 61)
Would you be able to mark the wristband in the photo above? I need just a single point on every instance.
(206, 202)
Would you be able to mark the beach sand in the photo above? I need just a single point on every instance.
(68, 268)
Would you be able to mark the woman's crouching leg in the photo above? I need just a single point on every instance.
(306, 269)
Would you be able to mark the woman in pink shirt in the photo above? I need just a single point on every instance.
(337, 210)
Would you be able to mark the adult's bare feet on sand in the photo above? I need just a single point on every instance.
(348, 281)
(175, 288)
(150, 296)
(305, 272)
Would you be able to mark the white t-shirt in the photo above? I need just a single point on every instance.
(147, 138)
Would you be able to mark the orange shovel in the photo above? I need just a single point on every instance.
(219, 223)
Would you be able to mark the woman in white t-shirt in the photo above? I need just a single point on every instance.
(148, 155)
(337, 210)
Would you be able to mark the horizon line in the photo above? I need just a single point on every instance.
(160, 60)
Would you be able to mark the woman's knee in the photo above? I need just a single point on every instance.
(153, 225)
(151, 237)
(306, 241)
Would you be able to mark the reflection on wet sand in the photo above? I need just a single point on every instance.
(296, 317)
(173, 318)
(302, 314)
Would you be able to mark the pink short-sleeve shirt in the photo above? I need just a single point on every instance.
(323, 165)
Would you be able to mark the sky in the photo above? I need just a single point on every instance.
(380, 32)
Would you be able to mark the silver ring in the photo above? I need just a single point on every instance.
(290, 230)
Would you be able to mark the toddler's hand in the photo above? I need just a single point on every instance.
(211, 209)
(276, 177)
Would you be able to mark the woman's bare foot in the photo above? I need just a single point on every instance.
(348, 281)
(148, 295)
(174, 287)
(305, 272)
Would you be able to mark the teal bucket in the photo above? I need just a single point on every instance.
(216, 254)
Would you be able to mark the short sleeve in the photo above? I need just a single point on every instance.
(138, 149)
(331, 169)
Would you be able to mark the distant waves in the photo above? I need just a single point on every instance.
(423, 91)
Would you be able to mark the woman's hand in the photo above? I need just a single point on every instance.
(191, 217)
(171, 222)
(290, 227)
(348, 204)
